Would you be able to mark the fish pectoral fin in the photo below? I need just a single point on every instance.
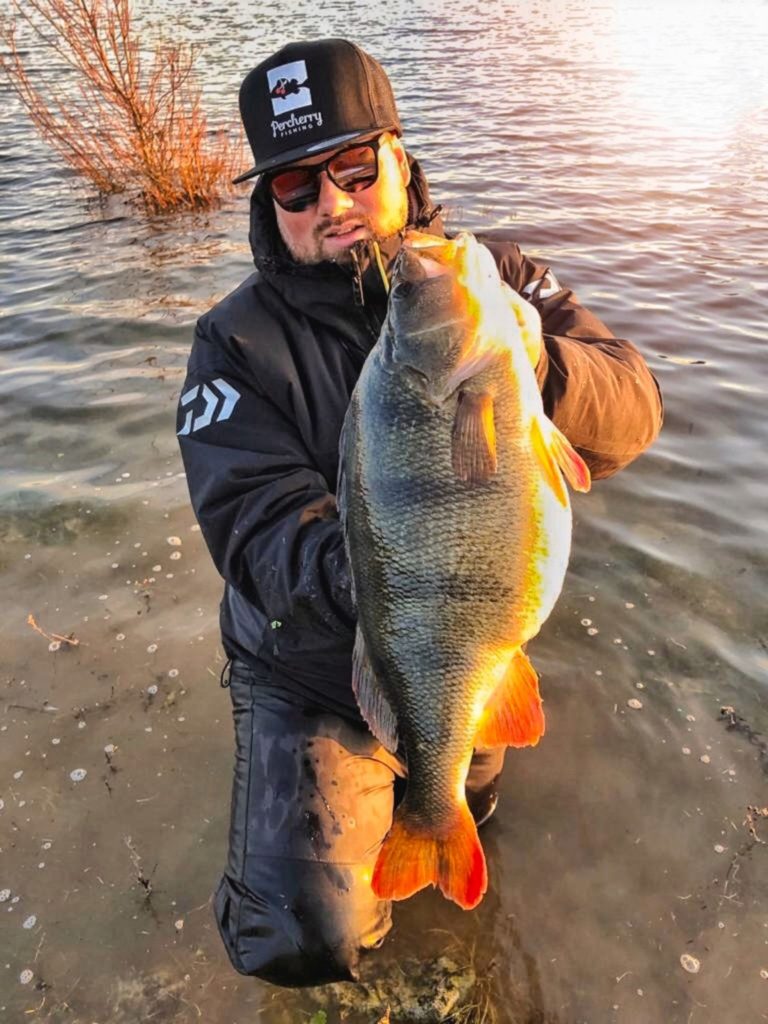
(513, 717)
(473, 440)
(555, 452)
(373, 704)
(412, 858)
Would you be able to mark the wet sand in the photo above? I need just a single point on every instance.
(620, 844)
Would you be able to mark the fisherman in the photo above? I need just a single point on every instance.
(269, 379)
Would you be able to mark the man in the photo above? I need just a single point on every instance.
(270, 376)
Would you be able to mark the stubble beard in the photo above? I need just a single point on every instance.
(390, 224)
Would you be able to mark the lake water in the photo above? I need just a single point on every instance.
(625, 144)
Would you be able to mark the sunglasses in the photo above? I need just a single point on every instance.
(353, 169)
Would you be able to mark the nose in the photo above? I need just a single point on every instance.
(332, 201)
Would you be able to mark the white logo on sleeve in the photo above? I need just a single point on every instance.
(542, 287)
(219, 391)
(288, 87)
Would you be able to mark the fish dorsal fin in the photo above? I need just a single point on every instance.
(374, 706)
(555, 453)
(473, 441)
(513, 716)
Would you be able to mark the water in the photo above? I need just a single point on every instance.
(626, 144)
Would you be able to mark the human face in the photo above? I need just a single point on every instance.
(329, 228)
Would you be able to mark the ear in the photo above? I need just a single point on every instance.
(402, 159)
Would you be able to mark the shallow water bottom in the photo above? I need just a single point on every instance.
(622, 857)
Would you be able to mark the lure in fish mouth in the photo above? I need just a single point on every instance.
(457, 523)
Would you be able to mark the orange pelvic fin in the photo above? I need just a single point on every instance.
(555, 453)
(548, 463)
(473, 442)
(513, 717)
(568, 459)
(412, 858)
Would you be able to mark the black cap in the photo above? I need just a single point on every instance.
(311, 97)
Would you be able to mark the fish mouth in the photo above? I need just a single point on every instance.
(413, 268)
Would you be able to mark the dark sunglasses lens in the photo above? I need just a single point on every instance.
(354, 169)
(295, 190)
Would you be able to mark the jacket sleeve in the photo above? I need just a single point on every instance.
(267, 514)
(596, 388)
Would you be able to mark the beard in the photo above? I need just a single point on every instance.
(379, 228)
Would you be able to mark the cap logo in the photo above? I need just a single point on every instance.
(288, 90)
(288, 87)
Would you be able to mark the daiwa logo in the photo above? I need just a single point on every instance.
(542, 287)
(288, 87)
(225, 391)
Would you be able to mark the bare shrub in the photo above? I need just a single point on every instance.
(124, 114)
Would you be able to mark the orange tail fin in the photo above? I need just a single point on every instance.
(513, 716)
(412, 858)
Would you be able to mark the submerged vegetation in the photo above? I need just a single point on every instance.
(453, 987)
(122, 111)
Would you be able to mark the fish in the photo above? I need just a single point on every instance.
(457, 525)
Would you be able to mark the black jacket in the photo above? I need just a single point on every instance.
(269, 379)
